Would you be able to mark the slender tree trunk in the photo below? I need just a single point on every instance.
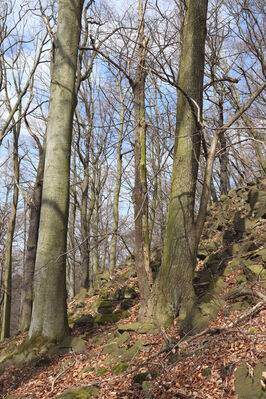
(32, 241)
(6, 309)
(71, 260)
(140, 197)
(117, 186)
(173, 290)
(49, 314)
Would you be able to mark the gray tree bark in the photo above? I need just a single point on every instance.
(49, 314)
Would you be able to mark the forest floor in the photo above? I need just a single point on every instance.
(162, 365)
(202, 367)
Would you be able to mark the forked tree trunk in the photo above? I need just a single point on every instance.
(49, 314)
(173, 291)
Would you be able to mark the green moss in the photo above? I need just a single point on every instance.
(247, 386)
(101, 371)
(120, 368)
(97, 340)
(107, 318)
(110, 348)
(86, 392)
(141, 328)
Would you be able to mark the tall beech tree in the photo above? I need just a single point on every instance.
(173, 290)
(49, 316)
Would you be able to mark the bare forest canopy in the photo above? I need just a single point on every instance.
(119, 126)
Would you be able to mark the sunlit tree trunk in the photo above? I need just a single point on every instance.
(173, 291)
(113, 244)
(32, 241)
(49, 316)
(7, 288)
(140, 197)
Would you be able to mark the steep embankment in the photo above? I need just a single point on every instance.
(110, 355)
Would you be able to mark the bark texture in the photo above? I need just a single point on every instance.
(32, 241)
(49, 316)
(173, 290)
(140, 197)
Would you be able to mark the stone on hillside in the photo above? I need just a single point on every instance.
(126, 304)
(103, 306)
(242, 247)
(247, 386)
(86, 392)
(107, 318)
(97, 340)
(231, 193)
(84, 321)
(110, 348)
(125, 293)
(120, 368)
(105, 276)
(257, 201)
(241, 279)
(239, 224)
(83, 293)
(141, 328)
(228, 237)
(69, 344)
(232, 266)
(147, 387)
(122, 338)
(223, 198)
(243, 305)
(125, 355)
(255, 272)
(262, 253)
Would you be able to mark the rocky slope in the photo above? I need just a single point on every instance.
(111, 355)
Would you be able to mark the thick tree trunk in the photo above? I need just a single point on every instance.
(32, 241)
(49, 316)
(173, 291)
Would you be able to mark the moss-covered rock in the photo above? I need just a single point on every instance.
(103, 306)
(101, 371)
(242, 247)
(85, 321)
(97, 340)
(255, 272)
(232, 266)
(243, 305)
(125, 293)
(122, 338)
(241, 279)
(120, 368)
(86, 392)
(247, 386)
(107, 318)
(141, 328)
(141, 377)
(69, 344)
(126, 304)
(83, 293)
(211, 309)
(147, 387)
(110, 348)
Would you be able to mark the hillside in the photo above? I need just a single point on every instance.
(111, 355)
